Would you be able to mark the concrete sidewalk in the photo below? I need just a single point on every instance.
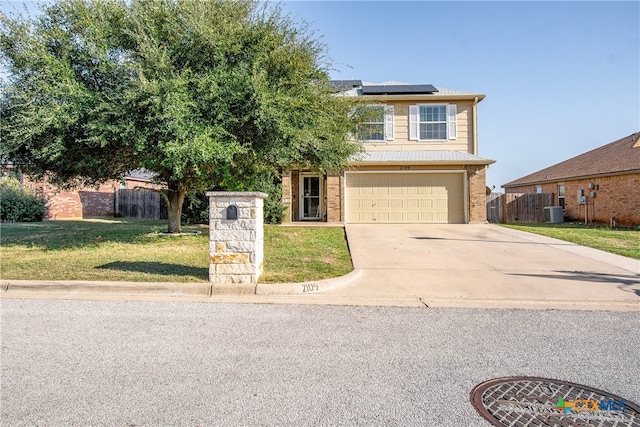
(473, 265)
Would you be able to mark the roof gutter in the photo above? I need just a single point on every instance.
(570, 178)
(422, 162)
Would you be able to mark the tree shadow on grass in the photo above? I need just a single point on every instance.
(159, 268)
(68, 234)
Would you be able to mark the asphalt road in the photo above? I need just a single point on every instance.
(153, 364)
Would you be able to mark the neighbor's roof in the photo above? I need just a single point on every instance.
(394, 88)
(621, 156)
(432, 156)
(140, 175)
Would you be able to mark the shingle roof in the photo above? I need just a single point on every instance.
(616, 157)
(140, 174)
(395, 88)
(431, 156)
(345, 84)
(445, 91)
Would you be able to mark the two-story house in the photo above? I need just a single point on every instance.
(420, 165)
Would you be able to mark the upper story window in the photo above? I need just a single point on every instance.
(432, 122)
(378, 128)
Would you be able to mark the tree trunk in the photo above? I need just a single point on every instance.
(175, 199)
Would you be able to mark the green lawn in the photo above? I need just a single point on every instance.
(618, 241)
(127, 250)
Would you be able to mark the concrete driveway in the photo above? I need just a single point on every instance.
(484, 265)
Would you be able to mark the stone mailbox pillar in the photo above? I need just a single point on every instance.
(236, 238)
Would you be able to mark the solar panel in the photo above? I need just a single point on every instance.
(398, 89)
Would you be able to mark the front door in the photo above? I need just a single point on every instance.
(311, 197)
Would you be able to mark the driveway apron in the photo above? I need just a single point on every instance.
(484, 262)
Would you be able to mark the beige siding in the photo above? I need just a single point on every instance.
(401, 142)
(385, 197)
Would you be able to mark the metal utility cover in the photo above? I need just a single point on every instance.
(533, 401)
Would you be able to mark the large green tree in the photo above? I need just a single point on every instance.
(197, 92)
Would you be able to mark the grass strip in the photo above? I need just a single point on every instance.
(131, 250)
(625, 242)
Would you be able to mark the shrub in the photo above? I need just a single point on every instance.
(19, 205)
(273, 209)
(196, 206)
(195, 209)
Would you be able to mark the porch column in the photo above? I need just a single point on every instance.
(477, 194)
(334, 197)
(286, 196)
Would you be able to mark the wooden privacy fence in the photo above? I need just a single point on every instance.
(145, 204)
(513, 208)
(494, 207)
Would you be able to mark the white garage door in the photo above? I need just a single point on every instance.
(405, 198)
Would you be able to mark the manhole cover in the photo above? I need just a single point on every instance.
(531, 401)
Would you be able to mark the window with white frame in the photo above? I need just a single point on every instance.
(432, 122)
(378, 128)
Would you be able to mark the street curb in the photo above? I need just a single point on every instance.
(173, 289)
(94, 287)
(310, 287)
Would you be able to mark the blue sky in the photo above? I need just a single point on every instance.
(560, 78)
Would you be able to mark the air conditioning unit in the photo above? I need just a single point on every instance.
(553, 214)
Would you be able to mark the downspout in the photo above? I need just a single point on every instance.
(475, 126)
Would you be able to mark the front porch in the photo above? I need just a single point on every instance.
(312, 198)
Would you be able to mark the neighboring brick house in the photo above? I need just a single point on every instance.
(420, 165)
(86, 202)
(608, 176)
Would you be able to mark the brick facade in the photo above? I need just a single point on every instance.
(477, 178)
(334, 197)
(286, 196)
(617, 195)
(87, 202)
(73, 204)
(295, 196)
